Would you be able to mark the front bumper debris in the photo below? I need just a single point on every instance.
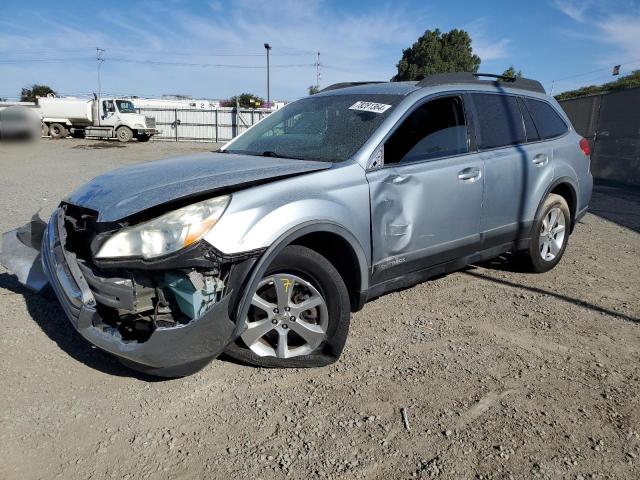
(21, 254)
(169, 351)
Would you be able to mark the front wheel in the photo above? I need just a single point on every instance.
(299, 314)
(124, 134)
(550, 234)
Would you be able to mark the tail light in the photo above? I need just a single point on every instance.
(584, 146)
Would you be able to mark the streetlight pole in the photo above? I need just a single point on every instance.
(268, 48)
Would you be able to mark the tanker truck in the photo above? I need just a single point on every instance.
(100, 117)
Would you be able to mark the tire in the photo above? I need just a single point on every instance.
(78, 134)
(544, 242)
(58, 131)
(302, 267)
(143, 138)
(45, 130)
(124, 134)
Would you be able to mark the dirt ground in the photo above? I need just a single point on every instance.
(502, 374)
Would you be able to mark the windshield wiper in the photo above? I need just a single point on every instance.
(266, 153)
(271, 153)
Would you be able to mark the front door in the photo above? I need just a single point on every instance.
(426, 199)
(108, 113)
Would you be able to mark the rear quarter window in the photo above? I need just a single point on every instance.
(549, 123)
(499, 120)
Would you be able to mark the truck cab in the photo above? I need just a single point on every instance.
(118, 118)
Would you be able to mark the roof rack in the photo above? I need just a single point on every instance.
(336, 86)
(469, 77)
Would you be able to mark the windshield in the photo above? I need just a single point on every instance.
(329, 128)
(125, 106)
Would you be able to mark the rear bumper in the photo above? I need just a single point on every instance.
(169, 352)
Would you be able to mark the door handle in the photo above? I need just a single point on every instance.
(396, 179)
(469, 175)
(541, 160)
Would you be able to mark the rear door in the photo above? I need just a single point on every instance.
(513, 167)
(426, 199)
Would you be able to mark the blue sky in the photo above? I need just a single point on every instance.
(214, 49)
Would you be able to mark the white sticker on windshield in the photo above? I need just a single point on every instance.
(370, 107)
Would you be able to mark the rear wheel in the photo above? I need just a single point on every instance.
(299, 313)
(550, 234)
(124, 134)
(57, 130)
(143, 137)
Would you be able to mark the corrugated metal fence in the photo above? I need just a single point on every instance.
(611, 123)
(217, 125)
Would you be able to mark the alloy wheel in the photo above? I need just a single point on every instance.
(552, 234)
(288, 317)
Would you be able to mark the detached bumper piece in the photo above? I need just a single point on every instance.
(21, 254)
(91, 301)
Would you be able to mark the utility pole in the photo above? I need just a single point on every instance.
(318, 75)
(268, 48)
(99, 60)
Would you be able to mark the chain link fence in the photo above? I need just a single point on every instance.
(197, 125)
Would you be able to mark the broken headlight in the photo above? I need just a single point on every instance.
(167, 233)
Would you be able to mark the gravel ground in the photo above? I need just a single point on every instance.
(501, 373)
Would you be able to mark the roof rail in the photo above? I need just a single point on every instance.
(336, 86)
(469, 77)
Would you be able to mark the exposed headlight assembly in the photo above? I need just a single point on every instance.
(166, 234)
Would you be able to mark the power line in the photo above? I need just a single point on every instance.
(151, 62)
(160, 52)
(562, 80)
(46, 60)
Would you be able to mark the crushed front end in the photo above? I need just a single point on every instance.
(166, 317)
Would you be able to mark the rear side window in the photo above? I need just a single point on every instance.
(529, 126)
(499, 120)
(433, 130)
(548, 121)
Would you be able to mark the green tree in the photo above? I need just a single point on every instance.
(245, 100)
(313, 89)
(30, 94)
(628, 81)
(437, 52)
(512, 73)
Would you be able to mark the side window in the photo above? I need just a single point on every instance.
(548, 121)
(529, 126)
(435, 129)
(499, 120)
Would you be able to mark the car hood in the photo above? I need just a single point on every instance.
(130, 190)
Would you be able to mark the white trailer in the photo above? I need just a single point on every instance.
(103, 117)
(180, 104)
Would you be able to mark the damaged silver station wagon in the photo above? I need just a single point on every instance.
(263, 249)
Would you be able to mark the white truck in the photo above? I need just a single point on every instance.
(100, 117)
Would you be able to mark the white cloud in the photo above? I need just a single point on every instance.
(362, 45)
(486, 48)
(575, 10)
(622, 32)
